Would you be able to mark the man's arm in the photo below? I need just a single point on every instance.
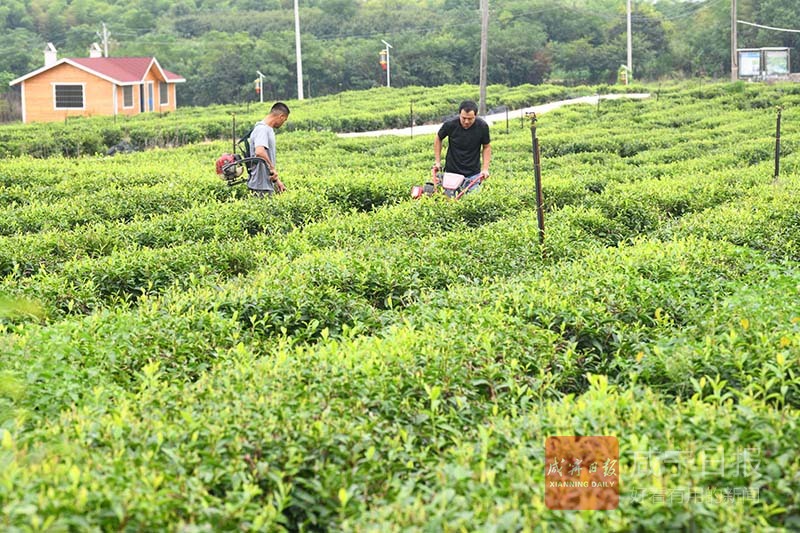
(437, 151)
(487, 158)
(261, 151)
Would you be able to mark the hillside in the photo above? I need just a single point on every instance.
(219, 46)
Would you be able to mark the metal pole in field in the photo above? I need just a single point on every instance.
(537, 172)
(778, 144)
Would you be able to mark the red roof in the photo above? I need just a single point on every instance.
(121, 70)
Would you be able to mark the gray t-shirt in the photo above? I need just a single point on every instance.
(262, 135)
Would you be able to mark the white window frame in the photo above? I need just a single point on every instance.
(83, 96)
(163, 96)
(133, 100)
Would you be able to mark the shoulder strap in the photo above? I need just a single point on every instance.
(244, 143)
(246, 136)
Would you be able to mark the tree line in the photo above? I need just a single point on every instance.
(219, 45)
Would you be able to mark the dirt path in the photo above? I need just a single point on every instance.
(497, 117)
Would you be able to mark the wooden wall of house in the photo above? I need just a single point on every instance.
(39, 95)
(127, 111)
(155, 77)
(98, 95)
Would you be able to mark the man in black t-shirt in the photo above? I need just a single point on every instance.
(469, 139)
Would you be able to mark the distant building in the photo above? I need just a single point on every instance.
(95, 85)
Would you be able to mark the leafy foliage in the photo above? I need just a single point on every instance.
(175, 355)
(219, 46)
(346, 112)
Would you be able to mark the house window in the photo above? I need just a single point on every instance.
(127, 96)
(69, 96)
(163, 93)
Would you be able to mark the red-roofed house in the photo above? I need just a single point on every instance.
(95, 85)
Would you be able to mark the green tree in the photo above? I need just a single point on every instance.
(517, 54)
(21, 50)
(13, 15)
(650, 42)
(434, 60)
(782, 14)
(435, 41)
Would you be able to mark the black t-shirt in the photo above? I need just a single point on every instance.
(464, 149)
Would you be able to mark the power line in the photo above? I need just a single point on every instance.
(767, 27)
(619, 16)
(129, 31)
(439, 28)
(693, 12)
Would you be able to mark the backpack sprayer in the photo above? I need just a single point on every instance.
(232, 166)
(450, 183)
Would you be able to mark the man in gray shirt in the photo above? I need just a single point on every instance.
(264, 178)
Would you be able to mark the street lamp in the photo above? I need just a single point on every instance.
(260, 85)
(388, 66)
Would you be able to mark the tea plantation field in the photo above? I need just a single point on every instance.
(178, 356)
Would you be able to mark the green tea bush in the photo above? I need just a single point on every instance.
(340, 357)
(766, 219)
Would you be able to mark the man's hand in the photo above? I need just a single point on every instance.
(483, 175)
(276, 182)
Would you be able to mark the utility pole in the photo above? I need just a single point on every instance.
(297, 48)
(630, 45)
(734, 59)
(484, 50)
(388, 65)
(104, 37)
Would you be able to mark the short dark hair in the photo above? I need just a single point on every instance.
(279, 108)
(468, 105)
